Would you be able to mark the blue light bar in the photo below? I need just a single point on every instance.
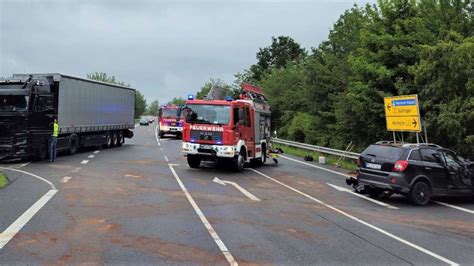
(228, 98)
(192, 140)
(190, 97)
(219, 142)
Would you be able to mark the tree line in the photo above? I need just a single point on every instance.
(333, 94)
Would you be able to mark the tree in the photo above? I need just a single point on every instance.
(282, 50)
(152, 108)
(140, 101)
(208, 85)
(177, 101)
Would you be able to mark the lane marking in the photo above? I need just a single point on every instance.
(66, 179)
(23, 165)
(134, 176)
(75, 170)
(455, 207)
(19, 223)
(156, 135)
(204, 220)
(315, 166)
(166, 158)
(91, 156)
(399, 239)
(33, 175)
(84, 161)
(342, 189)
(96, 152)
(237, 186)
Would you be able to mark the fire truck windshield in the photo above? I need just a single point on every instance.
(208, 114)
(171, 112)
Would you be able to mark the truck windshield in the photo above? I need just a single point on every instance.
(208, 114)
(169, 112)
(13, 102)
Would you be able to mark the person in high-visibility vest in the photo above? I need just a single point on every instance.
(54, 141)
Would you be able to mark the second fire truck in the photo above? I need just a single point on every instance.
(227, 131)
(170, 121)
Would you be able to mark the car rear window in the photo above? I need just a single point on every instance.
(384, 152)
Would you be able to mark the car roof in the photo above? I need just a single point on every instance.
(409, 145)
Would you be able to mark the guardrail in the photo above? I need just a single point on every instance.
(341, 153)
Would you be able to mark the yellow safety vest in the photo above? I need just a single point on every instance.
(55, 130)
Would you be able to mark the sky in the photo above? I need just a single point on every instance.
(165, 49)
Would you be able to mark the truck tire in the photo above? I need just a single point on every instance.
(73, 144)
(420, 193)
(108, 140)
(162, 134)
(262, 160)
(114, 139)
(121, 139)
(194, 161)
(239, 162)
(41, 152)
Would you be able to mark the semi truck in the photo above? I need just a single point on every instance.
(227, 131)
(170, 120)
(90, 114)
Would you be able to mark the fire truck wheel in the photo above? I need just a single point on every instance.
(239, 163)
(194, 161)
(162, 134)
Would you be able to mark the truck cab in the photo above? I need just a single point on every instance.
(170, 120)
(227, 130)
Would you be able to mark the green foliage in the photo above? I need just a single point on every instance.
(3, 180)
(177, 101)
(334, 95)
(140, 102)
(152, 108)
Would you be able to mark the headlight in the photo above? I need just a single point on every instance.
(185, 146)
(229, 149)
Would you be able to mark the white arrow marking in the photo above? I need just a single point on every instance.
(362, 196)
(241, 189)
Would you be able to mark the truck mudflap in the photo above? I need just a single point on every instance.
(128, 134)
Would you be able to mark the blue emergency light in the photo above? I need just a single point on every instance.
(228, 98)
(190, 97)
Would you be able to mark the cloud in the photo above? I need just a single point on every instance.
(164, 48)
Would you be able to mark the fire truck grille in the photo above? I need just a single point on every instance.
(206, 135)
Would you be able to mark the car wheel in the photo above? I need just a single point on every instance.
(194, 161)
(420, 193)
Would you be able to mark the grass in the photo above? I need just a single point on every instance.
(3, 180)
(345, 163)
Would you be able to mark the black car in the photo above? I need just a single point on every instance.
(417, 171)
(144, 122)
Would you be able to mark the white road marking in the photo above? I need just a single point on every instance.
(241, 189)
(204, 220)
(66, 179)
(33, 175)
(455, 207)
(166, 158)
(362, 196)
(84, 161)
(399, 239)
(23, 165)
(315, 166)
(21, 221)
(156, 135)
(96, 152)
(75, 170)
(91, 156)
(134, 176)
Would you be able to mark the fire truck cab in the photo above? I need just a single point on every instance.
(170, 120)
(227, 130)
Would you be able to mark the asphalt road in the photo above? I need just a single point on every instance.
(141, 203)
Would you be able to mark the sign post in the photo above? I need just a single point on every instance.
(402, 114)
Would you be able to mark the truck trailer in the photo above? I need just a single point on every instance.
(90, 114)
(235, 131)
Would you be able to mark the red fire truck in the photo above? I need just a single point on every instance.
(170, 120)
(227, 130)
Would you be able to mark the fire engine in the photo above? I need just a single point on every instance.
(227, 130)
(170, 120)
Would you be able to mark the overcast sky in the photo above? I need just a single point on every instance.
(164, 48)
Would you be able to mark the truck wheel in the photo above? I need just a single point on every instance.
(121, 139)
(420, 193)
(73, 144)
(239, 163)
(114, 139)
(41, 152)
(162, 134)
(194, 161)
(108, 140)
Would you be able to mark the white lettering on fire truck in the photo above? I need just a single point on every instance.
(207, 128)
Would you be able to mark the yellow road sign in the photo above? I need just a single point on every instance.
(402, 114)
(403, 123)
(401, 105)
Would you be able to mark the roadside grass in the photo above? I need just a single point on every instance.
(345, 163)
(3, 180)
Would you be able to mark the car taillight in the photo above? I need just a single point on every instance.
(400, 166)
